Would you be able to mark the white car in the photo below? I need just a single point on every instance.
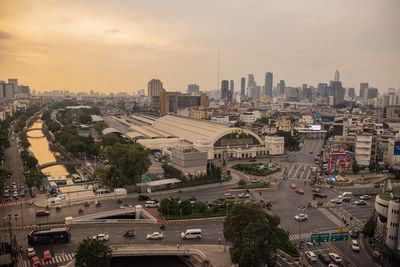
(244, 195)
(337, 201)
(360, 202)
(125, 206)
(365, 197)
(354, 245)
(155, 235)
(31, 252)
(102, 237)
(335, 257)
(301, 217)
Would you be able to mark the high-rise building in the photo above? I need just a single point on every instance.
(351, 92)
(250, 83)
(154, 88)
(225, 90)
(323, 89)
(338, 92)
(372, 93)
(9, 90)
(337, 78)
(172, 101)
(14, 82)
(23, 89)
(2, 93)
(243, 86)
(193, 88)
(231, 89)
(281, 87)
(268, 84)
(363, 88)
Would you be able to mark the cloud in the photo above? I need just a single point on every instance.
(4, 35)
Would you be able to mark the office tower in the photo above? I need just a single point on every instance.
(323, 89)
(2, 93)
(337, 78)
(154, 87)
(268, 84)
(250, 83)
(351, 92)
(363, 88)
(337, 92)
(14, 82)
(371, 93)
(225, 90)
(193, 88)
(23, 89)
(243, 86)
(9, 90)
(281, 87)
(231, 89)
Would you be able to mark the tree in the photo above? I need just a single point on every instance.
(92, 252)
(356, 167)
(99, 126)
(369, 228)
(254, 235)
(242, 182)
(109, 139)
(4, 174)
(186, 207)
(84, 117)
(53, 126)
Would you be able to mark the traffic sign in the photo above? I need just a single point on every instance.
(318, 238)
(341, 230)
(340, 236)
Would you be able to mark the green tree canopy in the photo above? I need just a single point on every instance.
(109, 139)
(99, 126)
(54, 126)
(254, 235)
(92, 252)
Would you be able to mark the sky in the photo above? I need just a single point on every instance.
(119, 45)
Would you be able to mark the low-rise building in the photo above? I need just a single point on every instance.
(275, 145)
(363, 149)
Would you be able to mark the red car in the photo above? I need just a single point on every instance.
(35, 261)
(46, 255)
(299, 191)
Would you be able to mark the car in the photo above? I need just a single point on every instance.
(35, 261)
(360, 202)
(30, 252)
(6, 194)
(101, 237)
(46, 255)
(316, 190)
(252, 160)
(155, 236)
(210, 204)
(324, 258)
(311, 256)
(221, 198)
(192, 198)
(130, 233)
(365, 197)
(244, 195)
(299, 191)
(6, 188)
(311, 152)
(42, 213)
(335, 257)
(301, 217)
(320, 195)
(143, 198)
(15, 194)
(337, 201)
(354, 233)
(125, 206)
(354, 245)
(293, 186)
(229, 196)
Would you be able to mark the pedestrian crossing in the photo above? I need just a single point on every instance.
(58, 258)
(307, 236)
(299, 171)
(14, 203)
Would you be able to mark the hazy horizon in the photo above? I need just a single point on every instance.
(119, 46)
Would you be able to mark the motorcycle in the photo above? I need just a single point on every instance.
(119, 201)
(80, 210)
(162, 227)
(97, 203)
(87, 204)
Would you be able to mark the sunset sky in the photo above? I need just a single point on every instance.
(113, 46)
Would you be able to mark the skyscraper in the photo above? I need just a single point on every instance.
(224, 90)
(281, 87)
(338, 92)
(268, 84)
(243, 86)
(323, 89)
(363, 88)
(337, 78)
(193, 88)
(231, 89)
(154, 87)
(351, 92)
(371, 93)
(14, 82)
(250, 83)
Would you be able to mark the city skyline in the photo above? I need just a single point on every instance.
(121, 46)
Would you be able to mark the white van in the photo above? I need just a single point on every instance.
(311, 256)
(191, 234)
(354, 245)
(347, 194)
(151, 204)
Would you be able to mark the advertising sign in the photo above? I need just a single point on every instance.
(341, 162)
(396, 148)
(314, 128)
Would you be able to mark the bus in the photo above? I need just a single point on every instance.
(49, 236)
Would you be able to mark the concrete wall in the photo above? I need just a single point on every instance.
(189, 159)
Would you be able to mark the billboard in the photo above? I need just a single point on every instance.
(341, 162)
(396, 151)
